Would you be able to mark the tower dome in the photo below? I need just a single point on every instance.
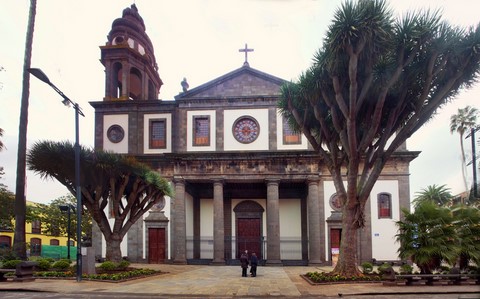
(130, 66)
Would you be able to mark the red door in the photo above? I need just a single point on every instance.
(156, 245)
(249, 236)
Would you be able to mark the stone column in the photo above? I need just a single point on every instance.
(313, 206)
(135, 242)
(179, 220)
(218, 223)
(273, 223)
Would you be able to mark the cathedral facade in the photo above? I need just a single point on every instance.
(242, 178)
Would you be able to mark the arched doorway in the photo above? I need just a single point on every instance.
(248, 227)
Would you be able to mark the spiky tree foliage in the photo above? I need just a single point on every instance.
(375, 81)
(467, 226)
(112, 185)
(427, 236)
(440, 195)
(464, 120)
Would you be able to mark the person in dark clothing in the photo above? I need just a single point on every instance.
(244, 263)
(253, 264)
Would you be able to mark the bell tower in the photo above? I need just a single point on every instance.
(131, 71)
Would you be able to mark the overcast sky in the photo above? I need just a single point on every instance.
(198, 40)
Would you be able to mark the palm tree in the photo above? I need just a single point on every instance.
(467, 228)
(440, 195)
(427, 236)
(19, 242)
(464, 120)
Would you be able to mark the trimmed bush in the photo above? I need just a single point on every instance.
(11, 264)
(367, 267)
(43, 264)
(62, 264)
(108, 266)
(383, 267)
(123, 265)
(406, 269)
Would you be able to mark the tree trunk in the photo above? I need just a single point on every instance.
(19, 239)
(347, 261)
(114, 253)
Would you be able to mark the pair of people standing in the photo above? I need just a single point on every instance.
(244, 261)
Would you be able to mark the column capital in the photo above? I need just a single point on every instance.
(178, 180)
(313, 179)
(272, 181)
(218, 181)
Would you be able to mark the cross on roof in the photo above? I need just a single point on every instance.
(246, 50)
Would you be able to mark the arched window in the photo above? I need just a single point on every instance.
(35, 246)
(54, 242)
(384, 204)
(117, 80)
(135, 84)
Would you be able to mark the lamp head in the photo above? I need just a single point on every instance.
(63, 208)
(39, 74)
(66, 102)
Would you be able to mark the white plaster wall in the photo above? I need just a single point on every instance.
(206, 228)
(189, 224)
(146, 135)
(290, 229)
(328, 191)
(213, 137)
(115, 119)
(303, 145)
(230, 116)
(384, 246)
(383, 230)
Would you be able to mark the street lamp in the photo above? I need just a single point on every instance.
(66, 101)
(68, 208)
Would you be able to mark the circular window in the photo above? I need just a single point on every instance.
(335, 202)
(115, 133)
(118, 40)
(246, 129)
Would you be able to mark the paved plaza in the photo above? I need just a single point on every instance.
(195, 281)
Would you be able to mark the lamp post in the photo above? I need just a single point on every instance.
(66, 101)
(67, 208)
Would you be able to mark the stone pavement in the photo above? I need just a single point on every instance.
(198, 281)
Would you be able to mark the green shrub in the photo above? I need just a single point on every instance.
(43, 264)
(406, 269)
(367, 267)
(383, 267)
(11, 264)
(62, 264)
(123, 265)
(7, 254)
(108, 266)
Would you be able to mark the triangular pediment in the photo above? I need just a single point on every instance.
(242, 82)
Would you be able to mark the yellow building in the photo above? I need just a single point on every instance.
(38, 244)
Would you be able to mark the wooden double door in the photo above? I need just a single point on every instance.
(249, 236)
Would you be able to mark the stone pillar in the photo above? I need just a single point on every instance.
(97, 241)
(313, 206)
(218, 224)
(135, 242)
(179, 219)
(273, 223)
